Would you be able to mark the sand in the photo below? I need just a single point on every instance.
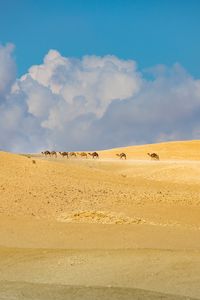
(101, 229)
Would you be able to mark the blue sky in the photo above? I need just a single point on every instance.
(149, 31)
(97, 74)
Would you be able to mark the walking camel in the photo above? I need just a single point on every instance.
(83, 154)
(53, 153)
(63, 154)
(154, 156)
(46, 153)
(121, 155)
(94, 155)
(73, 154)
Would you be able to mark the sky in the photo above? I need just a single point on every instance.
(97, 74)
(148, 31)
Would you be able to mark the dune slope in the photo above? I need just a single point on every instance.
(101, 229)
(181, 150)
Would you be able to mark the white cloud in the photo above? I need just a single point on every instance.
(7, 69)
(94, 102)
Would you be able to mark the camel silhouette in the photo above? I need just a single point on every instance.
(73, 154)
(94, 154)
(121, 155)
(83, 154)
(46, 153)
(53, 153)
(154, 156)
(63, 154)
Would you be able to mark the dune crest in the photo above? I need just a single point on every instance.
(177, 150)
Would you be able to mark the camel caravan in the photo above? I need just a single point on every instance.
(94, 155)
(48, 153)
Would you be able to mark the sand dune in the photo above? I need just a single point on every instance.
(101, 229)
(181, 150)
(51, 188)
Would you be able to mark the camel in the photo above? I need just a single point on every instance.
(53, 153)
(47, 152)
(121, 155)
(63, 154)
(83, 154)
(73, 154)
(94, 155)
(154, 156)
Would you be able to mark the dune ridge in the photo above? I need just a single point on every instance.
(176, 150)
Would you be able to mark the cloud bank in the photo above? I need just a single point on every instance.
(94, 103)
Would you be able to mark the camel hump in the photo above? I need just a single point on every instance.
(53, 153)
(64, 154)
(72, 153)
(83, 154)
(94, 154)
(154, 155)
(121, 155)
(47, 152)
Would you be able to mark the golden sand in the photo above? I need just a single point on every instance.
(101, 229)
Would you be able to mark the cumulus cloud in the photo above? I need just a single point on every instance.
(167, 108)
(7, 69)
(94, 102)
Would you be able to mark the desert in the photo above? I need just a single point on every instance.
(99, 150)
(107, 228)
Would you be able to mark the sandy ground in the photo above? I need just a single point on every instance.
(101, 229)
